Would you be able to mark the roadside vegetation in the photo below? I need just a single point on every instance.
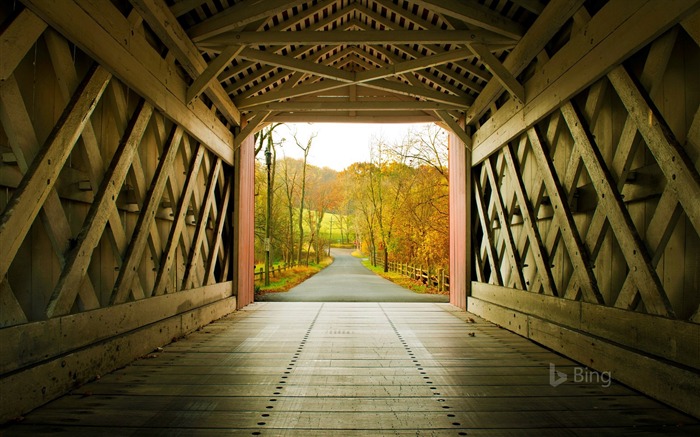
(291, 277)
(393, 207)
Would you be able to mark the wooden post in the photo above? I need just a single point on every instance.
(460, 217)
(244, 192)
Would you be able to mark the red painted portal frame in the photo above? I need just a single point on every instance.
(460, 239)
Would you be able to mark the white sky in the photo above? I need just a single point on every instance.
(337, 145)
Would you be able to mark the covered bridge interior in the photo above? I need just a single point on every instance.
(127, 168)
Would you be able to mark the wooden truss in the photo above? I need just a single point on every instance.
(115, 186)
(568, 209)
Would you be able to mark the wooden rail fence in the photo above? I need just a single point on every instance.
(260, 274)
(434, 278)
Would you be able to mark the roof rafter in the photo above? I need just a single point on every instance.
(344, 37)
(239, 15)
(166, 26)
(477, 15)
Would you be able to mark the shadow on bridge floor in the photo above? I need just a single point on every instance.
(319, 369)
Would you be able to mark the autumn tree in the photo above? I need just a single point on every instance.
(305, 147)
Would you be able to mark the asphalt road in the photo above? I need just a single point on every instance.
(347, 280)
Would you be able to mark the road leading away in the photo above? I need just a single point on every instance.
(347, 280)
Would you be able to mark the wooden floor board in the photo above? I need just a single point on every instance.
(319, 369)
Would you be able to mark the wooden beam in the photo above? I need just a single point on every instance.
(135, 62)
(681, 175)
(486, 228)
(120, 111)
(429, 77)
(615, 32)
(297, 64)
(607, 339)
(11, 312)
(288, 50)
(335, 37)
(78, 259)
(250, 128)
(22, 138)
(135, 330)
(163, 280)
(642, 332)
(577, 252)
(36, 185)
(212, 71)
(64, 67)
(544, 271)
(432, 48)
(460, 213)
(218, 234)
(658, 233)
(242, 238)
(200, 231)
(353, 106)
(422, 92)
(516, 274)
(412, 65)
(168, 29)
(383, 117)
(326, 85)
(17, 39)
(500, 73)
(692, 26)
(609, 198)
(455, 128)
(274, 75)
(544, 28)
(290, 92)
(476, 15)
(239, 15)
(134, 253)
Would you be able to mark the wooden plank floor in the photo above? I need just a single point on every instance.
(317, 369)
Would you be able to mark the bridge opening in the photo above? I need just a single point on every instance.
(128, 173)
(376, 192)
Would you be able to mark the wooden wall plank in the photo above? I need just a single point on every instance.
(514, 264)
(41, 177)
(18, 127)
(577, 252)
(78, 260)
(605, 335)
(610, 201)
(134, 253)
(136, 63)
(49, 379)
(681, 174)
(163, 278)
(488, 238)
(218, 235)
(200, 231)
(530, 222)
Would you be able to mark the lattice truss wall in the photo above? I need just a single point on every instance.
(105, 200)
(600, 200)
(585, 222)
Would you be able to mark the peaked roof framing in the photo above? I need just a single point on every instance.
(350, 60)
(312, 60)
